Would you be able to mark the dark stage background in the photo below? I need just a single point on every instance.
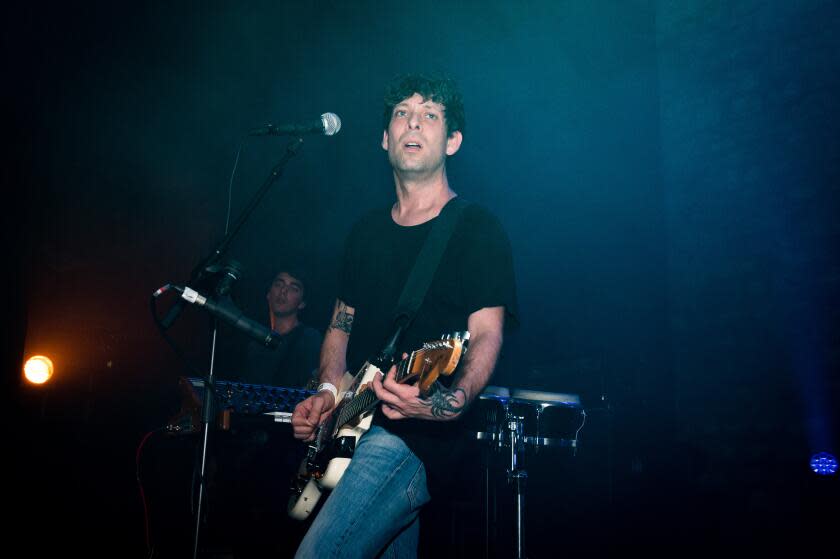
(667, 173)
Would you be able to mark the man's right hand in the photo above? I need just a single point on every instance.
(310, 413)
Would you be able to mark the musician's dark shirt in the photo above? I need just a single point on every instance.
(476, 271)
(291, 365)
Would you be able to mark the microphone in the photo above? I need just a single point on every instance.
(329, 124)
(233, 316)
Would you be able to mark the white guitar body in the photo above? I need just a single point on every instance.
(301, 506)
(336, 467)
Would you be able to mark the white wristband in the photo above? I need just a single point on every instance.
(329, 387)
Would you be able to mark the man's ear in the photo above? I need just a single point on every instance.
(453, 142)
(302, 305)
(385, 140)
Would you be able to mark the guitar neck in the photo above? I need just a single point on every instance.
(433, 359)
(404, 369)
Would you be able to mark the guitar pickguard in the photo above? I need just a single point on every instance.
(353, 430)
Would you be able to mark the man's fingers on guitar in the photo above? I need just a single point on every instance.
(389, 381)
(390, 378)
(315, 412)
(404, 392)
(391, 412)
(376, 384)
(385, 394)
(301, 426)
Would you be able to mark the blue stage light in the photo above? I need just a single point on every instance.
(823, 464)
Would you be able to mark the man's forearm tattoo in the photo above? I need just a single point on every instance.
(444, 403)
(343, 320)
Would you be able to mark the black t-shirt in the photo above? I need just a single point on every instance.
(291, 365)
(475, 272)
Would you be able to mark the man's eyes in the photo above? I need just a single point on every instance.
(401, 112)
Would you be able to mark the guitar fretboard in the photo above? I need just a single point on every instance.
(366, 399)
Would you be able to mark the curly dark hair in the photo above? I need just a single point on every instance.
(439, 89)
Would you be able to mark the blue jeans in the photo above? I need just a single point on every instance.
(373, 511)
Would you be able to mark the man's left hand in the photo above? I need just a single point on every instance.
(400, 401)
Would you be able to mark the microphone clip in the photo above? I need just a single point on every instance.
(220, 277)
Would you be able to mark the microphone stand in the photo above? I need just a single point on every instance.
(200, 273)
(216, 256)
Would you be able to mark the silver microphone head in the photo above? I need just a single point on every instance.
(332, 124)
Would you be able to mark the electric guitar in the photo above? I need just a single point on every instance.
(335, 441)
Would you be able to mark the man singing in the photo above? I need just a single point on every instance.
(374, 509)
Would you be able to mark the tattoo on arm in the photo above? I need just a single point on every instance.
(444, 403)
(343, 320)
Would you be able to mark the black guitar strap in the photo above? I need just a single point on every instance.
(427, 263)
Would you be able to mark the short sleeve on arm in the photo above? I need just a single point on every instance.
(487, 265)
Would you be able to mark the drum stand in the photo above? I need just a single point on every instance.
(516, 424)
(517, 476)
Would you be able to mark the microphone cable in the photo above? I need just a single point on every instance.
(162, 328)
(230, 182)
